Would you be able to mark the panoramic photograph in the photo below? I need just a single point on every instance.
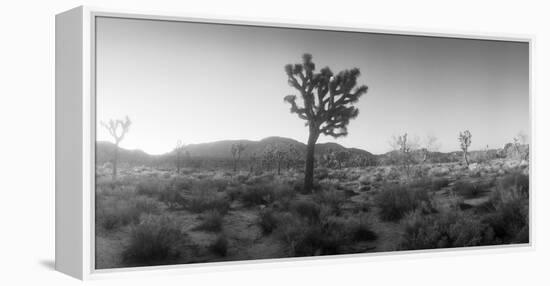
(222, 142)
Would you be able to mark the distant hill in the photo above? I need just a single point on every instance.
(221, 151)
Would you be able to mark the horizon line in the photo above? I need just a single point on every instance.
(318, 143)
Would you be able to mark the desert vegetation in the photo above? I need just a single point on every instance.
(277, 197)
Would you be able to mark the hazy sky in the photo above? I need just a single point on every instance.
(206, 82)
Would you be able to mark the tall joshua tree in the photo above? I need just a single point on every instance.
(117, 129)
(236, 152)
(327, 103)
(465, 139)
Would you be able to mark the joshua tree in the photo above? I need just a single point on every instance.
(465, 139)
(178, 150)
(405, 150)
(327, 103)
(292, 156)
(280, 156)
(236, 152)
(327, 159)
(268, 157)
(430, 145)
(253, 159)
(519, 140)
(117, 129)
(341, 157)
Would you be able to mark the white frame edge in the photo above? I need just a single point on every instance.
(75, 147)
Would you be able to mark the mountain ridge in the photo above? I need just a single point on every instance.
(221, 150)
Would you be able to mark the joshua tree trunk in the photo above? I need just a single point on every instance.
(177, 163)
(466, 158)
(310, 159)
(115, 160)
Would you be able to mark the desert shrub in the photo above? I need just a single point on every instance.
(234, 193)
(362, 207)
(330, 235)
(150, 187)
(207, 199)
(113, 212)
(307, 209)
(426, 183)
(212, 221)
(210, 184)
(508, 215)
(142, 204)
(507, 210)
(510, 222)
(321, 173)
(173, 197)
(339, 175)
(242, 178)
(310, 242)
(393, 174)
(260, 194)
(298, 187)
(451, 229)
(262, 179)
(317, 238)
(219, 246)
(332, 198)
(396, 200)
(155, 240)
(469, 189)
(421, 183)
(515, 185)
(439, 183)
(283, 195)
(182, 183)
(267, 220)
(419, 172)
(361, 231)
(456, 202)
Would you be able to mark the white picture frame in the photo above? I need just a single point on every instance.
(75, 141)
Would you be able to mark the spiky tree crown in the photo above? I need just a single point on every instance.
(465, 139)
(327, 98)
(179, 146)
(402, 142)
(117, 128)
(237, 149)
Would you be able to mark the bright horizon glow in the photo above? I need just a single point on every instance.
(201, 83)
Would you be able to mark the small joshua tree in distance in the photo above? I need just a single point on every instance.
(280, 156)
(292, 157)
(178, 150)
(342, 157)
(405, 149)
(430, 145)
(253, 159)
(465, 139)
(268, 158)
(117, 129)
(519, 140)
(327, 103)
(236, 151)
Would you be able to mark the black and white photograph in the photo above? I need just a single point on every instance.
(219, 142)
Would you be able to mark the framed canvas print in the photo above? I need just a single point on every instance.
(184, 141)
